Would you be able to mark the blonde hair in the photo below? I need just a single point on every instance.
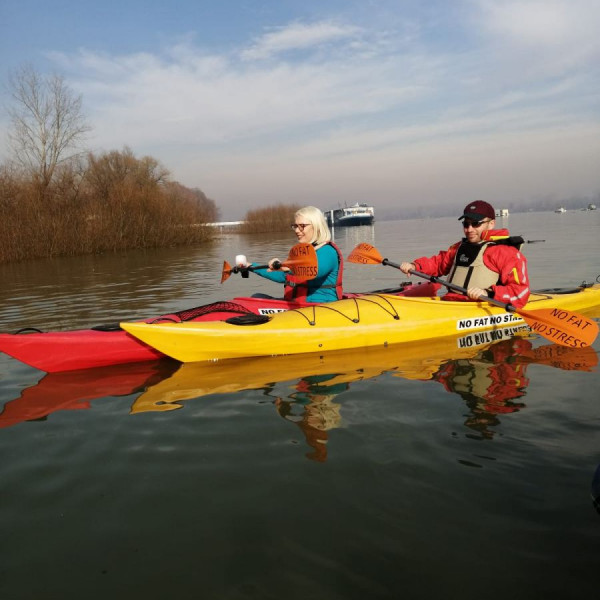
(312, 215)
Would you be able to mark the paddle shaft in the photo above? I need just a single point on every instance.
(451, 286)
(276, 266)
(237, 269)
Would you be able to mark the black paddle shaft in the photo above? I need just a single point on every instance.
(244, 270)
(451, 286)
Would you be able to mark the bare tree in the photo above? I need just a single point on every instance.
(46, 123)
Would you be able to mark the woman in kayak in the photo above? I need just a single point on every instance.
(311, 227)
(486, 261)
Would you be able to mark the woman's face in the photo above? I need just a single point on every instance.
(303, 230)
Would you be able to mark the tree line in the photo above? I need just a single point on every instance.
(58, 199)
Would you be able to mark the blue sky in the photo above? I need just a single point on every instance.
(399, 103)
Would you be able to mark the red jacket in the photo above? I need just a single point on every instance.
(507, 261)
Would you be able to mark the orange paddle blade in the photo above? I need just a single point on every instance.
(302, 261)
(561, 326)
(365, 254)
(226, 273)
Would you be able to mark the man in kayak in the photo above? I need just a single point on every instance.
(486, 261)
(310, 227)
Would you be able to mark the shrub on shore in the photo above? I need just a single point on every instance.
(105, 203)
(271, 218)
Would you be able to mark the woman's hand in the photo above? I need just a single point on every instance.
(275, 265)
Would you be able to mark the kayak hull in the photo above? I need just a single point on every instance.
(370, 320)
(58, 351)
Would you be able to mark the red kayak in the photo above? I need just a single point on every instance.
(106, 345)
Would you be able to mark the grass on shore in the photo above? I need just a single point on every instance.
(106, 203)
(271, 218)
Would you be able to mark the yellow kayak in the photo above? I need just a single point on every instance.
(372, 320)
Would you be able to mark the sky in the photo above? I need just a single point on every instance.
(397, 103)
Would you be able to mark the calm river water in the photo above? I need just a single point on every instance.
(404, 473)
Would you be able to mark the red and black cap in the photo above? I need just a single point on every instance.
(478, 210)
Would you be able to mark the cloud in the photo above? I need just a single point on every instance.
(563, 33)
(542, 22)
(298, 36)
(190, 96)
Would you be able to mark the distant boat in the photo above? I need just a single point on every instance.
(351, 216)
(591, 207)
(561, 209)
(502, 212)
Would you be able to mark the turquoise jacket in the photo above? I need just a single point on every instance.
(327, 274)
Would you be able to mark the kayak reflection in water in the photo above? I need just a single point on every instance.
(312, 408)
(489, 383)
(74, 390)
(492, 381)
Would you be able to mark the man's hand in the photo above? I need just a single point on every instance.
(405, 267)
(475, 293)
